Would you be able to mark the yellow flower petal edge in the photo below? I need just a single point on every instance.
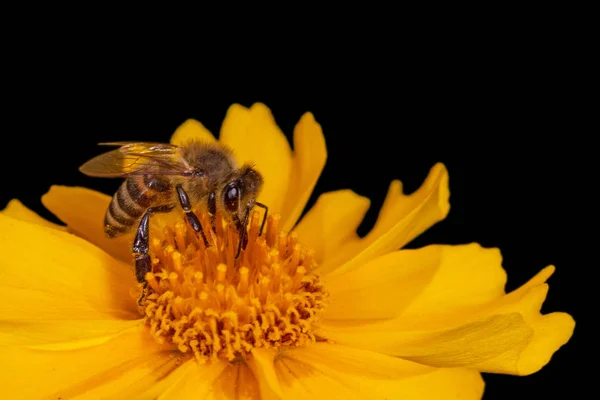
(401, 219)
(17, 210)
(310, 155)
(417, 282)
(123, 367)
(507, 335)
(82, 210)
(191, 130)
(332, 222)
(255, 137)
(50, 274)
(332, 371)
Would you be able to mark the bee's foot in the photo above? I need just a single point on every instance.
(143, 295)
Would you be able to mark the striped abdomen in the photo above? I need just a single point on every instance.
(133, 198)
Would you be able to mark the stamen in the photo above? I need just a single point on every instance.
(214, 306)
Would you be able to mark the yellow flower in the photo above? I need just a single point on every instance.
(318, 313)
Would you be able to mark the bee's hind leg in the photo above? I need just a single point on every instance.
(141, 244)
(191, 217)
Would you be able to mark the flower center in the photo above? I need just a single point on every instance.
(207, 302)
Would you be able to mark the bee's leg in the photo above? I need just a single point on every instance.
(184, 200)
(212, 208)
(141, 244)
(262, 225)
(241, 226)
(144, 293)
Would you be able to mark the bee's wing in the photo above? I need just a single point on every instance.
(138, 158)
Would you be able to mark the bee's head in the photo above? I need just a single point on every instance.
(239, 195)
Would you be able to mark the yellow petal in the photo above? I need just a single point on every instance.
(196, 383)
(60, 333)
(144, 378)
(354, 361)
(308, 161)
(49, 275)
(302, 381)
(443, 383)
(262, 364)
(418, 282)
(120, 368)
(235, 382)
(507, 335)
(191, 130)
(255, 137)
(159, 387)
(401, 219)
(16, 209)
(467, 276)
(464, 346)
(337, 372)
(331, 223)
(83, 211)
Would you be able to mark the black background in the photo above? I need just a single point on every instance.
(507, 131)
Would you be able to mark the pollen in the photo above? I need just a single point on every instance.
(214, 306)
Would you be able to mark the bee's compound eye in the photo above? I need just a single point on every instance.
(232, 197)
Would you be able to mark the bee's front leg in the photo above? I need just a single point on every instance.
(191, 217)
(262, 225)
(241, 226)
(141, 244)
(212, 209)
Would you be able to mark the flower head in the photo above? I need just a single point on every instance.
(207, 302)
(309, 309)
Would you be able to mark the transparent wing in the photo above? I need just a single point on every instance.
(138, 158)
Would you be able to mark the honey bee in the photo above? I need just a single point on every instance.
(159, 177)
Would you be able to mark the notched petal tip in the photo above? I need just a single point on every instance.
(53, 190)
(402, 218)
(438, 183)
(550, 331)
(58, 193)
(236, 107)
